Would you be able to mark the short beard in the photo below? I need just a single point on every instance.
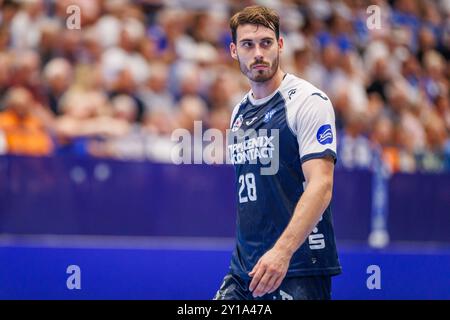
(260, 76)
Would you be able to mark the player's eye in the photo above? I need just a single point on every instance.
(266, 43)
(246, 44)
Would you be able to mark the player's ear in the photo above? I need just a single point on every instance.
(233, 50)
(280, 43)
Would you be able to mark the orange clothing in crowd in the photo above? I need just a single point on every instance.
(25, 136)
(391, 157)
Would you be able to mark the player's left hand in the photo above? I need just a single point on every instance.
(269, 272)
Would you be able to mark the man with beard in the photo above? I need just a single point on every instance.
(285, 240)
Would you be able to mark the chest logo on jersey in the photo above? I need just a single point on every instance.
(237, 123)
(291, 93)
(269, 115)
(249, 122)
(325, 134)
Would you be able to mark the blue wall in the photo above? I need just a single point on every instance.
(104, 197)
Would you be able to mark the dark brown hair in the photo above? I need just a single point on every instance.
(257, 15)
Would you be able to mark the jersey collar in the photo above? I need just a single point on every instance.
(257, 102)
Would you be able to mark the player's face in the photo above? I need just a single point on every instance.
(257, 51)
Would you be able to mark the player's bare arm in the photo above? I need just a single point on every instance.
(271, 268)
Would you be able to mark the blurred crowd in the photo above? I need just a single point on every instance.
(137, 70)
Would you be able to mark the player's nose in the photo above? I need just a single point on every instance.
(258, 54)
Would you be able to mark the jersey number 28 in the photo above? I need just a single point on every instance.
(248, 182)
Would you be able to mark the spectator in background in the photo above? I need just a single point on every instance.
(351, 83)
(5, 72)
(442, 105)
(223, 90)
(126, 54)
(354, 146)
(379, 77)
(109, 25)
(8, 12)
(124, 108)
(58, 75)
(406, 150)
(85, 116)
(124, 83)
(129, 145)
(327, 71)
(203, 28)
(124, 68)
(301, 61)
(155, 94)
(384, 137)
(160, 122)
(26, 73)
(168, 32)
(92, 50)
(338, 31)
(24, 131)
(189, 81)
(433, 157)
(191, 108)
(26, 25)
(4, 39)
(427, 41)
(403, 110)
(435, 79)
(69, 45)
(49, 40)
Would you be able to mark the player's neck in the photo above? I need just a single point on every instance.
(261, 90)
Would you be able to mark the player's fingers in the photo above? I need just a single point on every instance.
(257, 277)
(263, 285)
(271, 284)
(251, 273)
(276, 284)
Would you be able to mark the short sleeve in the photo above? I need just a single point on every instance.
(316, 128)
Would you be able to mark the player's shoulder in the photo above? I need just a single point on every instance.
(304, 101)
(296, 91)
(237, 107)
(241, 103)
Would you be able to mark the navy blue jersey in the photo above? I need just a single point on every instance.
(294, 124)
